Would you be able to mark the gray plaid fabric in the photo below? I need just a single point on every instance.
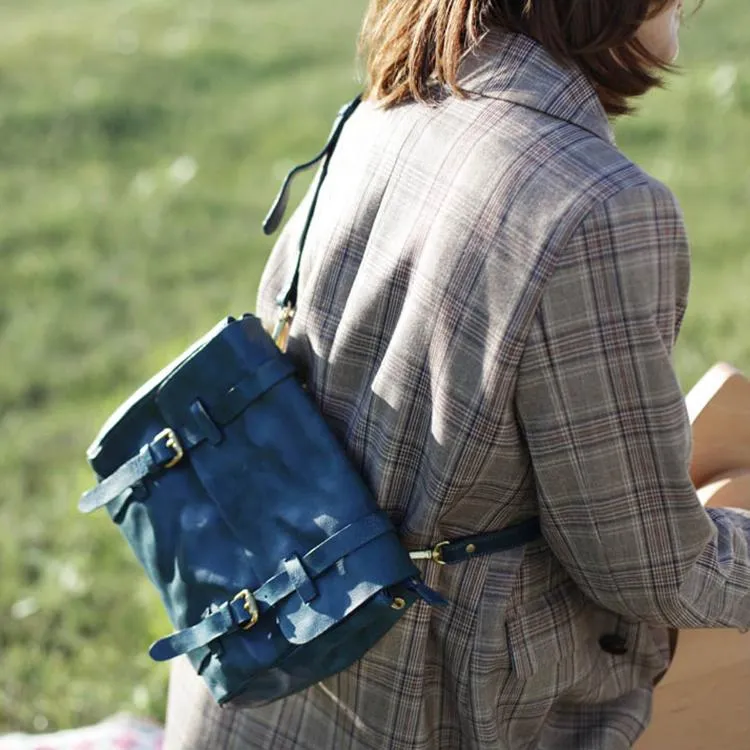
(490, 296)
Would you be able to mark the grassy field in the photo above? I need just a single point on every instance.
(141, 142)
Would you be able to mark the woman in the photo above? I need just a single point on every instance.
(489, 298)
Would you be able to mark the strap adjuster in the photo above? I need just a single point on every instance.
(435, 554)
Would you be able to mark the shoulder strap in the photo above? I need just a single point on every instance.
(288, 298)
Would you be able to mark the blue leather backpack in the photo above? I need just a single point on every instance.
(271, 556)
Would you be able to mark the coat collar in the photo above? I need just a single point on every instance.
(515, 68)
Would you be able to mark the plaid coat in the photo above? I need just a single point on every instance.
(489, 298)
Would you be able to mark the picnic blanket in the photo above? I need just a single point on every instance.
(121, 732)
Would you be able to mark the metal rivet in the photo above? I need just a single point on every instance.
(471, 549)
(398, 603)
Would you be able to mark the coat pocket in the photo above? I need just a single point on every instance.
(566, 635)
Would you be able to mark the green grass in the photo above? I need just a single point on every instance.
(141, 142)
(695, 136)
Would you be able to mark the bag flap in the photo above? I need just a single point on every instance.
(131, 424)
(344, 587)
(220, 376)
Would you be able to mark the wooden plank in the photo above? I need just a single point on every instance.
(703, 702)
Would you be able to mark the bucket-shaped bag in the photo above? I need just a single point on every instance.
(271, 556)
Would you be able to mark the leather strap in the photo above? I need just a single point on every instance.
(488, 544)
(240, 396)
(163, 451)
(234, 614)
(151, 459)
(288, 298)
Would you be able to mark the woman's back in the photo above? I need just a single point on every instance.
(434, 237)
(437, 232)
(489, 297)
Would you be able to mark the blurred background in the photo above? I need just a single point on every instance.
(141, 142)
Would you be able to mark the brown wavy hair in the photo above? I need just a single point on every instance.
(409, 45)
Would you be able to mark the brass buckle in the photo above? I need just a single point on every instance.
(281, 332)
(437, 553)
(171, 441)
(250, 606)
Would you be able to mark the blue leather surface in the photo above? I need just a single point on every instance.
(300, 618)
(227, 403)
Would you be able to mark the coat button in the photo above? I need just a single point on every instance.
(613, 644)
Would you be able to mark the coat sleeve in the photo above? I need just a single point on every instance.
(607, 427)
